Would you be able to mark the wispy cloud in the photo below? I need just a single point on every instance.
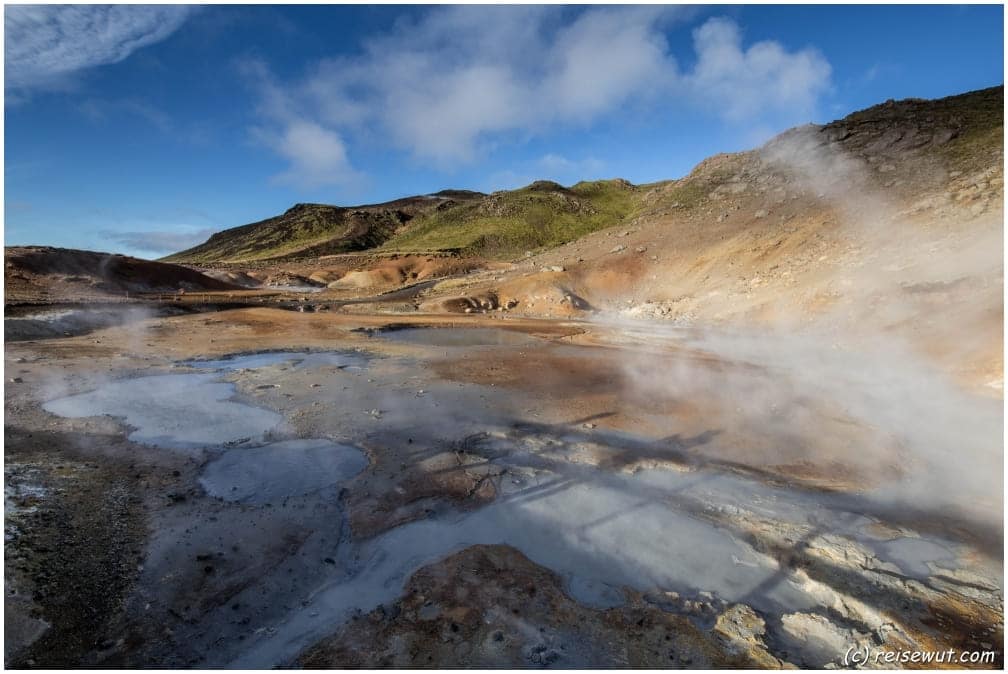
(115, 111)
(159, 242)
(456, 82)
(18, 206)
(100, 111)
(46, 44)
(556, 165)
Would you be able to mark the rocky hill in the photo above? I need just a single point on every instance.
(311, 230)
(499, 225)
(507, 223)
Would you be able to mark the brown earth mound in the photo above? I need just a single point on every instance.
(40, 274)
(481, 607)
(393, 272)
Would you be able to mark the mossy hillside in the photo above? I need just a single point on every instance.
(504, 224)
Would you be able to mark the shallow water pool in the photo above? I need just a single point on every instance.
(307, 359)
(458, 336)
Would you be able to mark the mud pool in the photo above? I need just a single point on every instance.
(655, 531)
(191, 411)
(280, 470)
(176, 411)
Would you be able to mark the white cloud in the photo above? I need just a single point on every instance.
(44, 44)
(607, 56)
(315, 152)
(317, 156)
(456, 82)
(746, 83)
(443, 86)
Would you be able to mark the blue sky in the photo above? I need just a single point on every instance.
(143, 129)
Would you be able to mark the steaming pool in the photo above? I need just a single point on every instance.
(654, 530)
(62, 321)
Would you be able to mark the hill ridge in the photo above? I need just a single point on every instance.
(545, 214)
